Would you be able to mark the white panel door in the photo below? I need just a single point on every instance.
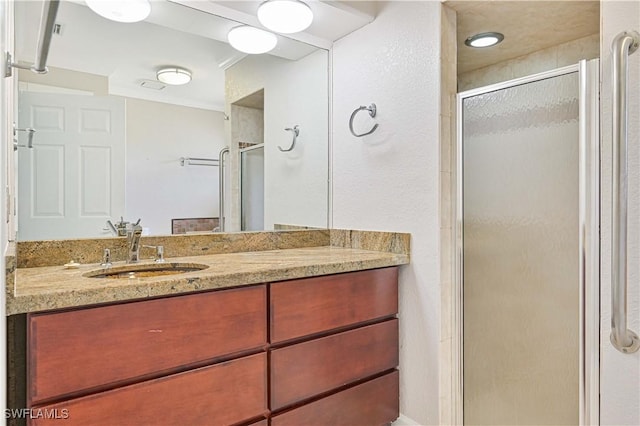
(72, 180)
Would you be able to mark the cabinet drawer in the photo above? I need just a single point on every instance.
(222, 394)
(75, 351)
(372, 403)
(307, 369)
(313, 305)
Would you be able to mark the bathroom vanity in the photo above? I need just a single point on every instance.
(303, 336)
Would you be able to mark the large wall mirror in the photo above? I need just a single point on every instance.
(113, 141)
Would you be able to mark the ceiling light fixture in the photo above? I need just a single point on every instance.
(174, 76)
(285, 16)
(484, 39)
(251, 40)
(121, 10)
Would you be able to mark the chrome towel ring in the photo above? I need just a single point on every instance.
(296, 133)
(372, 112)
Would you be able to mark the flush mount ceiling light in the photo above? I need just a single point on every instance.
(251, 40)
(285, 16)
(484, 39)
(121, 10)
(174, 76)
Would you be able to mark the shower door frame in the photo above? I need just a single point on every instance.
(589, 237)
(242, 203)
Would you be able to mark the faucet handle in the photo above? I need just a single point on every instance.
(106, 259)
(159, 253)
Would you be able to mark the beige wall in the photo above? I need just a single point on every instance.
(448, 66)
(247, 125)
(74, 80)
(543, 60)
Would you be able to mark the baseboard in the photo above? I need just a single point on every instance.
(405, 421)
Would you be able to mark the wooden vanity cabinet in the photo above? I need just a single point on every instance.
(334, 350)
(79, 351)
(172, 361)
(301, 371)
(372, 403)
(221, 394)
(314, 351)
(309, 306)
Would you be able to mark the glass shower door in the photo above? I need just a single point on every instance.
(252, 188)
(521, 268)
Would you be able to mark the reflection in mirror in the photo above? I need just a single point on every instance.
(113, 141)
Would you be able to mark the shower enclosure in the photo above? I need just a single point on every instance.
(252, 188)
(528, 250)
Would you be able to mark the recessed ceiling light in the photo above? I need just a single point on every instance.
(484, 39)
(121, 10)
(285, 16)
(174, 76)
(251, 40)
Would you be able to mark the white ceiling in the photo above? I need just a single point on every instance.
(192, 34)
(528, 26)
(332, 19)
(187, 33)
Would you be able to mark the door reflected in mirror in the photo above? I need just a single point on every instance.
(113, 141)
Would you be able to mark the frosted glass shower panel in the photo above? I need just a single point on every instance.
(521, 264)
(252, 189)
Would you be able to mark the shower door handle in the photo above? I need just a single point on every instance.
(623, 339)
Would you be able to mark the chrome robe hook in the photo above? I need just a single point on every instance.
(296, 133)
(372, 112)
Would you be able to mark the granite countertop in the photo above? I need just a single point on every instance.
(54, 287)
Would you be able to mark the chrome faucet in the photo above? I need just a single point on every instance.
(118, 229)
(134, 232)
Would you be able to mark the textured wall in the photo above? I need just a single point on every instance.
(389, 181)
(295, 93)
(296, 184)
(543, 60)
(620, 373)
(247, 125)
